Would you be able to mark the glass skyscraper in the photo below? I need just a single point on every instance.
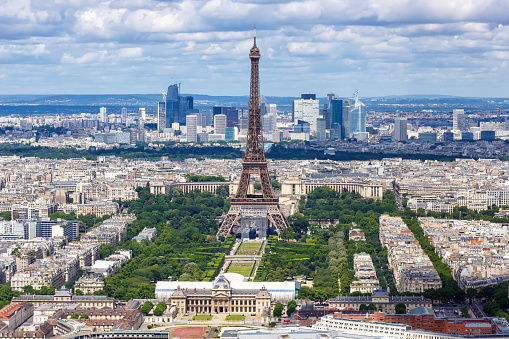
(172, 105)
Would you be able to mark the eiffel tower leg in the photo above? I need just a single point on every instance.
(231, 218)
(265, 181)
(243, 183)
(277, 219)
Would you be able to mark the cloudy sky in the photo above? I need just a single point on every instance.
(380, 47)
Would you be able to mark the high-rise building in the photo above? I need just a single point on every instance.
(232, 117)
(123, 116)
(161, 114)
(271, 109)
(192, 128)
(460, 121)
(229, 134)
(103, 117)
(219, 123)
(186, 107)
(340, 114)
(320, 129)
(142, 115)
(172, 104)
(269, 123)
(134, 136)
(263, 105)
(358, 116)
(306, 109)
(448, 136)
(400, 129)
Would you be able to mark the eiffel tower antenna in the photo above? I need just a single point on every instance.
(254, 160)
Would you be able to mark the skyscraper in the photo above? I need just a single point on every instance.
(306, 109)
(340, 115)
(142, 114)
(232, 117)
(263, 105)
(272, 109)
(192, 127)
(400, 129)
(357, 116)
(219, 124)
(123, 116)
(172, 105)
(459, 121)
(103, 117)
(320, 129)
(161, 114)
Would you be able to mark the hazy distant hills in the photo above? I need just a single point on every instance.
(64, 103)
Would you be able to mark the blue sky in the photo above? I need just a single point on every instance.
(380, 47)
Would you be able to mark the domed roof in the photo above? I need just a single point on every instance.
(221, 282)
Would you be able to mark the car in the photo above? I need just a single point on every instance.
(253, 314)
(186, 314)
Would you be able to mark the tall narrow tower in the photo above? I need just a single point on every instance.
(264, 207)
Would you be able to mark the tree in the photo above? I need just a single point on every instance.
(278, 310)
(291, 307)
(371, 307)
(400, 308)
(471, 293)
(6, 215)
(84, 316)
(28, 289)
(160, 308)
(363, 307)
(146, 308)
(78, 292)
(75, 316)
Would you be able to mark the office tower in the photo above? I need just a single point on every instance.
(330, 97)
(320, 129)
(229, 134)
(134, 136)
(272, 109)
(186, 107)
(250, 209)
(340, 111)
(307, 109)
(263, 105)
(192, 128)
(243, 124)
(208, 117)
(172, 105)
(400, 129)
(202, 137)
(232, 117)
(141, 132)
(269, 122)
(219, 124)
(335, 131)
(142, 114)
(302, 127)
(123, 116)
(102, 115)
(161, 114)
(358, 116)
(460, 121)
(448, 136)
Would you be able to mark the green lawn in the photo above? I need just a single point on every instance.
(249, 248)
(235, 317)
(240, 268)
(202, 317)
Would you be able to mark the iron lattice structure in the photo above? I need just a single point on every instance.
(254, 161)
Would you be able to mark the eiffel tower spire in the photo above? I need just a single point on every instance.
(254, 160)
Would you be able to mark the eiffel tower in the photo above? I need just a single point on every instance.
(254, 160)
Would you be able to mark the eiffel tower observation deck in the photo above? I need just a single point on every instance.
(254, 212)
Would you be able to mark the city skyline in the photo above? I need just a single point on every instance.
(388, 48)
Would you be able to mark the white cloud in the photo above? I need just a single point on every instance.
(415, 42)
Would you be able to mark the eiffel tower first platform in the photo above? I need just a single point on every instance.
(262, 207)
